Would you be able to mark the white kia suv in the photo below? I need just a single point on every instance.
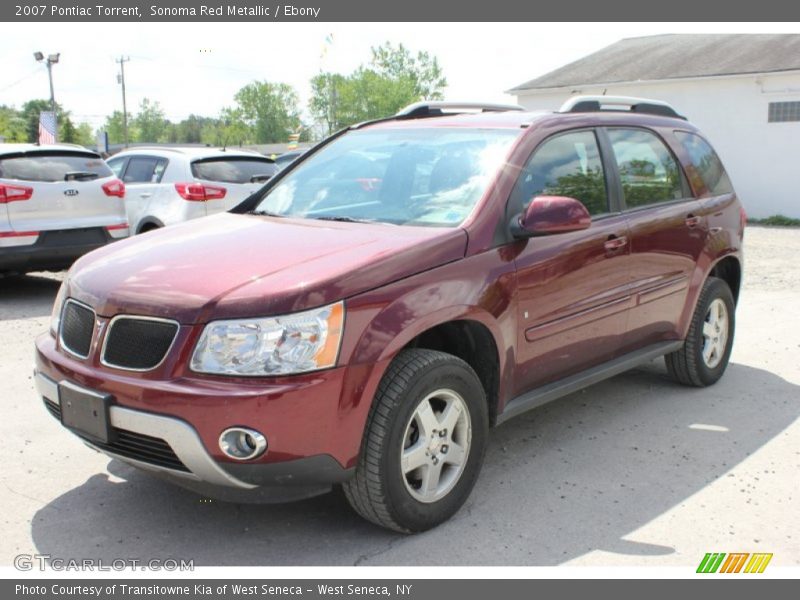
(57, 202)
(168, 185)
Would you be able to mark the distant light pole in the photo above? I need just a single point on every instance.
(52, 59)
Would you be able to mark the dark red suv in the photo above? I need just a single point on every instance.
(366, 317)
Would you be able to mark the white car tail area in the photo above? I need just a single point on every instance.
(168, 185)
(59, 200)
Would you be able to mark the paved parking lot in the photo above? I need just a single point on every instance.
(634, 471)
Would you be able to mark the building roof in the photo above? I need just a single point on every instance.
(676, 56)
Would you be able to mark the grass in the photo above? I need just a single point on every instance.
(776, 221)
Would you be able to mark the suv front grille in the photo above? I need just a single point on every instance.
(77, 327)
(130, 444)
(138, 343)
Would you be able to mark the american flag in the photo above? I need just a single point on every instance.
(47, 127)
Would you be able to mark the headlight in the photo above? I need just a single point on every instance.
(55, 317)
(297, 343)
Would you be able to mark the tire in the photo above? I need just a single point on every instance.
(702, 360)
(385, 489)
(149, 227)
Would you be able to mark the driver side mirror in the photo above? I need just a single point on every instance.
(546, 215)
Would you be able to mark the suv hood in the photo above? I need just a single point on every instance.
(230, 266)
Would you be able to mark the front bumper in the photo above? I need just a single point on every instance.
(171, 448)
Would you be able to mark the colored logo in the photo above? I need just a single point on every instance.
(734, 562)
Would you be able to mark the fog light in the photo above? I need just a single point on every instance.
(241, 443)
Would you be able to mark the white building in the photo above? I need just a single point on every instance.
(742, 91)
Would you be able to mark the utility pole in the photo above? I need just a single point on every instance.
(121, 79)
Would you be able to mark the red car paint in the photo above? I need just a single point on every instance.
(554, 305)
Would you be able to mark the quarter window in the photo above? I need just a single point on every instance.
(706, 162)
(566, 165)
(116, 165)
(648, 172)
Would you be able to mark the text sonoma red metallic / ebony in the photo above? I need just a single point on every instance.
(366, 316)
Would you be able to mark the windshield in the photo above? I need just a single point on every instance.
(430, 177)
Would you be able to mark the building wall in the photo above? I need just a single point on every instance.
(762, 159)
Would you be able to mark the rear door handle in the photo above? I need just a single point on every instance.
(693, 221)
(616, 243)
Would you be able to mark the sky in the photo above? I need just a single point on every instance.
(196, 68)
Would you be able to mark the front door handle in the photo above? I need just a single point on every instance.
(692, 221)
(615, 243)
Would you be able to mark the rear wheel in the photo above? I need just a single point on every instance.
(424, 444)
(149, 227)
(707, 349)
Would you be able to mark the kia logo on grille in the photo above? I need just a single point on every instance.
(70, 192)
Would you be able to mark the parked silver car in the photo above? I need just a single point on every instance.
(168, 185)
(57, 202)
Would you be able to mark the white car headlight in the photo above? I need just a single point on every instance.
(297, 343)
(55, 317)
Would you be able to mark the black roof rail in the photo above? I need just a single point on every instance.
(578, 104)
(422, 110)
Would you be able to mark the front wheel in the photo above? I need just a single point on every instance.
(707, 349)
(424, 444)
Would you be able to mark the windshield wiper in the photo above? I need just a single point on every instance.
(265, 213)
(260, 178)
(80, 176)
(343, 219)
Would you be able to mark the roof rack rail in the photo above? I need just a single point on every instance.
(421, 110)
(578, 104)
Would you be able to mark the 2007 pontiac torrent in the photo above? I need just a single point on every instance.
(365, 317)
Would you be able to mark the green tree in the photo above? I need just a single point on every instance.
(422, 70)
(189, 131)
(115, 128)
(150, 122)
(67, 132)
(339, 101)
(393, 79)
(84, 135)
(12, 125)
(270, 110)
(325, 91)
(230, 129)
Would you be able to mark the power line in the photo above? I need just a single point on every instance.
(20, 80)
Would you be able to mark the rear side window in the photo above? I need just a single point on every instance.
(566, 165)
(116, 164)
(234, 170)
(648, 171)
(54, 166)
(707, 163)
(144, 169)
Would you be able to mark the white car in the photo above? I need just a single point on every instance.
(168, 185)
(57, 202)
